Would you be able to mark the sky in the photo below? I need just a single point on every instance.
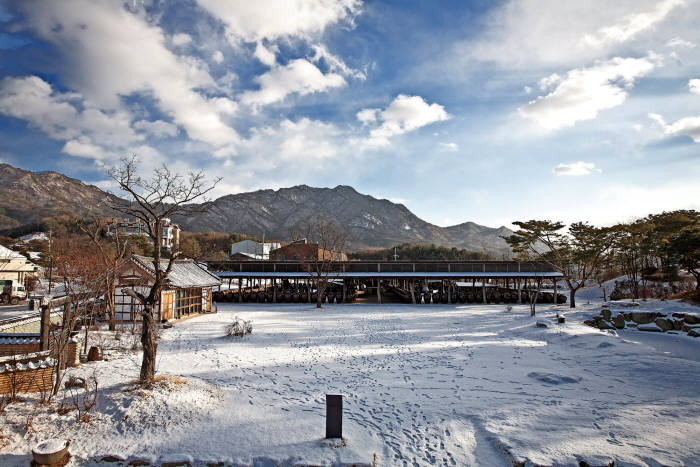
(483, 111)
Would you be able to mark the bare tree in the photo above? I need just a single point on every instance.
(164, 195)
(330, 243)
(112, 254)
(83, 277)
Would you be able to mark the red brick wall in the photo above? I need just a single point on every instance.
(305, 251)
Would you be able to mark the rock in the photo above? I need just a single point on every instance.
(606, 314)
(678, 315)
(694, 333)
(138, 462)
(603, 325)
(643, 317)
(589, 322)
(619, 321)
(75, 382)
(664, 323)
(691, 319)
(627, 304)
(688, 327)
(678, 324)
(112, 459)
(649, 327)
(543, 323)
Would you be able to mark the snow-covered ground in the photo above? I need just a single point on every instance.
(423, 385)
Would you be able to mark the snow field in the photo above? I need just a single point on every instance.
(423, 385)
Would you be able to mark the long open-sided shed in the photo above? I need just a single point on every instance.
(402, 275)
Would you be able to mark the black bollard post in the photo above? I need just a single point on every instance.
(334, 416)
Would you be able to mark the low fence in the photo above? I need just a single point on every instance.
(26, 373)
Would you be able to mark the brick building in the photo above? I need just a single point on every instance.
(301, 250)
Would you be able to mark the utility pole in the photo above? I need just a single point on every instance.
(395, 255)
(50, 259)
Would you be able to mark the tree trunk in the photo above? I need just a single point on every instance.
(150, 346)
(109, 302)
(572, 299)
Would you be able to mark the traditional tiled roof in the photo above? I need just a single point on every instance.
(185, 272)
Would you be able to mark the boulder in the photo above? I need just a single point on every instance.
(664, 323)
(606, 314)
(691, 319)
(678, 315)
(619, 321)
(688, 327)
(643, 317)
(627, 304)
(649, 327)
(694, 333)
(678, 324)
(543, 323)
(603, 325)
(589, 322)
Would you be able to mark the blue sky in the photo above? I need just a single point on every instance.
(463, 111)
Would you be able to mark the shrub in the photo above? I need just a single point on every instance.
(239, 327)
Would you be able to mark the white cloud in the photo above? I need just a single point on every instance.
(158, 128)
(367, 116)
(302, 143)
(298, 76)
(454, 147)
(632, 24)
(272, 19)
(32, 99)
(540, 33)
(549, 81)
(584, 92)
(218, 56)
(109, 52)
(678, 42)
(576, 169)
(686, 126)
(404, 114)
(83, 147)
(266, 55)
(335, 63)
(694, 86)
(181, 39)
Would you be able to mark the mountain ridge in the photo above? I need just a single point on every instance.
(27, 197)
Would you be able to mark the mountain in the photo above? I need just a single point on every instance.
(28, 197)
(369, 222)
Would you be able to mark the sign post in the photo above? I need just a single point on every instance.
(334, 416)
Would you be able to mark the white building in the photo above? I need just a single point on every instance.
(254, 250)
(170, 233)
(14, 266)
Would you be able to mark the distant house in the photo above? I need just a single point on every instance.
(14, 266)
(170, 236)
(303, 251)
(188, 290)
(253, 249)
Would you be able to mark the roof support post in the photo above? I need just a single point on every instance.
(483, 289)
(379, 291)
(413, 292)
(274, 290)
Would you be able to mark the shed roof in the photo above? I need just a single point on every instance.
(185, 272)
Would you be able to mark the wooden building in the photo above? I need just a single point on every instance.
(188, 289)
